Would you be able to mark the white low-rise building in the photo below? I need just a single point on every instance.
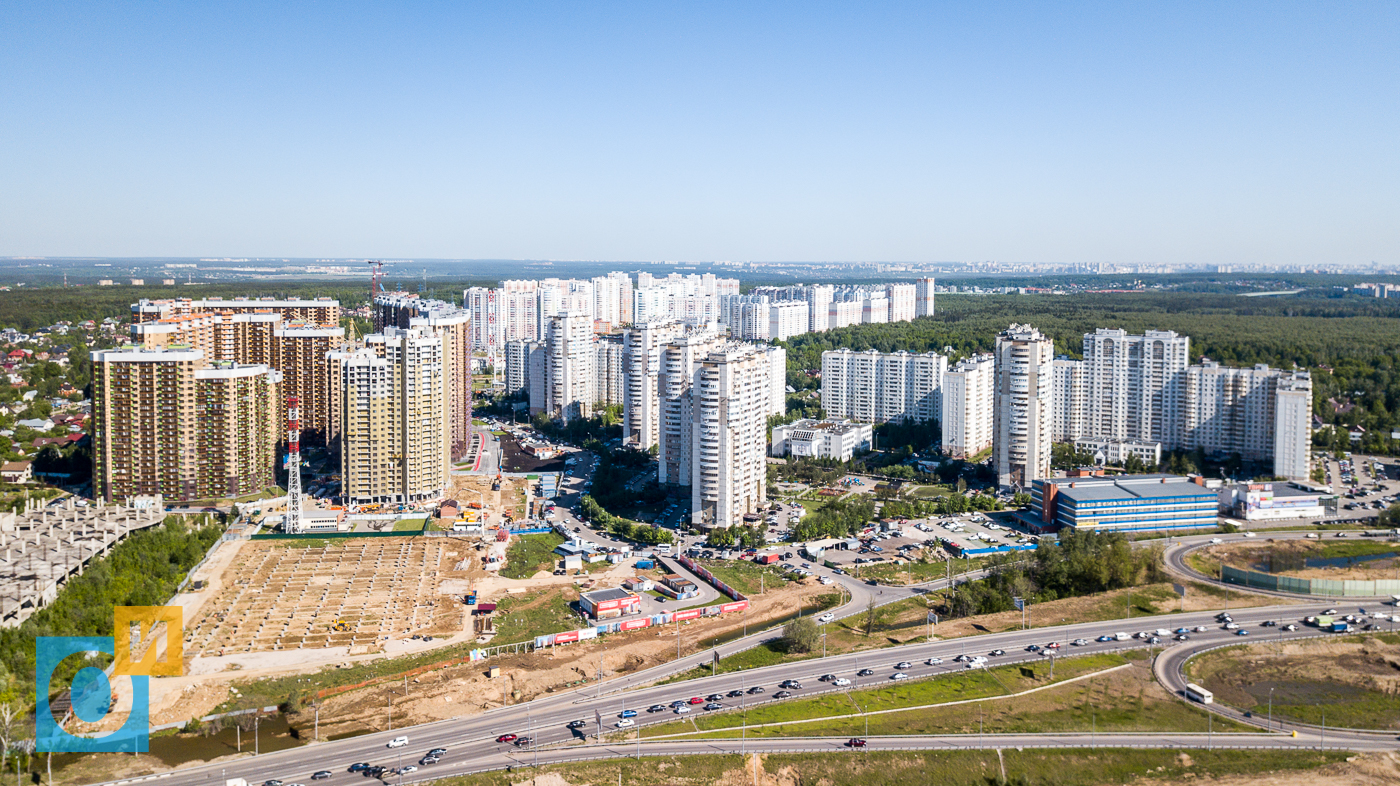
(833, 439)
(1268, 501)
(1117, 451)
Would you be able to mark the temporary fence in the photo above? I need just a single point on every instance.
(1360, 588)
(637, 623)
(691, 566)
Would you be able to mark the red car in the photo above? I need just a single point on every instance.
(697, 700)
(506, 738)
(855, 742)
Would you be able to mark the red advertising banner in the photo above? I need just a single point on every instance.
(608, 604)
(636, 624)
(688, 614)
(728, 607)
(566, 637)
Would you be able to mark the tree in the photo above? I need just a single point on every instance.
(8, 716)
(871, 613)
(801, 635)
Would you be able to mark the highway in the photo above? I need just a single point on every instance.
(471, 746)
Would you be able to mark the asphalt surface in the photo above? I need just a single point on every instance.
(471, 741)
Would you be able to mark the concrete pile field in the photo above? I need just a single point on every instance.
(279, 597)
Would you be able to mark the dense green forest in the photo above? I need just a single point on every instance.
(1079, 563)
(142, 570)
(1350, 343)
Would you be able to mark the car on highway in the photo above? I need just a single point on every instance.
(826, 678)
(1105, 638)
(1182, 637)
(696, 700)
(320, 775)
(997, 653)
(755, 690)
(855, 742)
(827, 617)
(1032, 648)
(712, 706)
(1201, 629)
(622, 724)
(627, 714)
(506, 738)
(578, 724)
(437, 752)
(899, 675)
(406, 769)
(1290, 627)
(865, 672)
(657, 708)
(1232, 626)
(736, 693)
(783, 694)
(904, 664)
(715, 697)
(842, 682)
(398, 742)
(682, 709)
(933, 661)
(1241, 632)
(1079, 642)
(793, 684)
(272, 783)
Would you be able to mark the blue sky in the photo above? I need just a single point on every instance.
(1057, 132)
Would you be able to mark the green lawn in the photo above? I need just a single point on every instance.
(409, 525)
(529, 554)
(945, 768)
(743, 575)
(525, 616)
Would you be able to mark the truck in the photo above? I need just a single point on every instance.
(645, 564)
(471, 598)
(766, 559)
(1340, 626)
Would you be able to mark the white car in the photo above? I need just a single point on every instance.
(841, 682)
(826, 579)
(625, 722)
(1249, 535)
(899, 675)
(827, 617)
(398, 742)
(682, 709)
(933, 661)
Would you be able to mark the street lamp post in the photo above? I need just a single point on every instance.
(1271, 709)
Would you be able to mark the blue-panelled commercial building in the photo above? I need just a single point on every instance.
(1124, 503)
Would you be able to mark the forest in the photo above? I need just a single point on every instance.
(142, 570)
(1079, 563)
(1350, 343)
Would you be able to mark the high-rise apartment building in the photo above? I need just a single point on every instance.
(1293, 401)
(786, 320)
(875, 387)
(569, 360)
(902, 300)
(1135, 384)
(395, 445)
(875, 309)
(321, 311)
(844, 313)
(254, 335)
(967, 406)
(517, 376)
(170, 422)
(924, 297)
(641, 364)
(1069, 397)
(1021, 417)
(732, 401)
(1257, 413)
(675, 384)
(818, 297)
(608, 370)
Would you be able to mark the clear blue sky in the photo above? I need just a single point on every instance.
(1128, 132)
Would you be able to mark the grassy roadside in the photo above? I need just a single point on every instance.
(946, 768)
(743, 575)
(958, 684)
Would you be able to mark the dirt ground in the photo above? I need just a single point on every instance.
(465, 689)
(1252, 555)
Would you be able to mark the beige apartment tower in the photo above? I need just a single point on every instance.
(729, 441)
(1022, 418)
(395, 445)
(169, 422)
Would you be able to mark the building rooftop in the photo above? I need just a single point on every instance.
(1126, 487)
(612, 593)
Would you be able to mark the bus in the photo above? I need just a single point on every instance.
(1195, 692)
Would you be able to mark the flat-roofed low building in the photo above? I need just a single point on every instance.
(1271, 501)
(607, 603)
(838, 439)
(1117, 451)
(1124, 503)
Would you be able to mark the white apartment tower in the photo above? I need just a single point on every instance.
(679, 361)
(903, 301)
(874, 387)
(923, 297)
(1068, 399)
(1021, 417)
(1260, 413)
(608, 370)
(1135, 384)
(1293, 426)
(787, 319)
(732, 400)
(967, 406)
(641, 365)
(569, 356)
(818, 297)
